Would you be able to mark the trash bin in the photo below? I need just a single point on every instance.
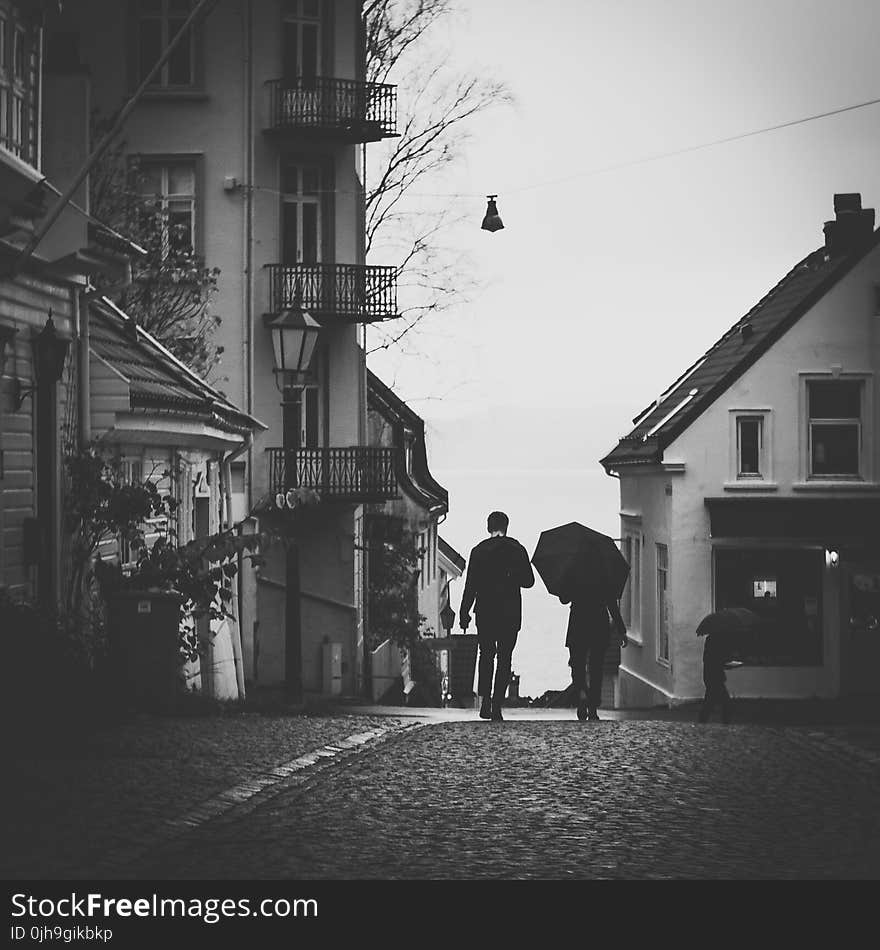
(143, 640)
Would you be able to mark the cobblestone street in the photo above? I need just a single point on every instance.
(539, 796)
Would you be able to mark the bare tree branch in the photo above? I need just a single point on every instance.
(438, 104)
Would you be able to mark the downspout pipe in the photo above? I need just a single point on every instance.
(237, 650)
(38, 235)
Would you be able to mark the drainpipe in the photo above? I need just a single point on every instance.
(237, 650)
(102, 146)
(248, 233)
(81, 321)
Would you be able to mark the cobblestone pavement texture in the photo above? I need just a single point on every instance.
(79, 808)
(557, 799)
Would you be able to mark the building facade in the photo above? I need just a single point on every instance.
(251, 134)
(754, 481)
(417, 513)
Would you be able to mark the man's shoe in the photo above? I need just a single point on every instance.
(496, 713)
(582, 710)
(593, 716)
(486, 708)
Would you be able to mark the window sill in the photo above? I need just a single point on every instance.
(752, 484)
(831, 484)
(634, 637)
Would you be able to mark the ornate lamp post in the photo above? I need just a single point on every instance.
(294, 337)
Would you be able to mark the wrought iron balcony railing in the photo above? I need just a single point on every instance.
(352, 293)
(345, 109)
(356, 474)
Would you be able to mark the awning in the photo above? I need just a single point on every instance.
(825, 520)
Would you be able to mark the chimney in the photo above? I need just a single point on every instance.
(853, 225)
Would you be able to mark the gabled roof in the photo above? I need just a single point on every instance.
(157, 380)
(449, 552)
(420, 485)
(740, 347)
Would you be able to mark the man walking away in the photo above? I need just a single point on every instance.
(497, 568)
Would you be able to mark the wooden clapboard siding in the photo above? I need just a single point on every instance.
(18, 469)
(25, 303)
(109, 395)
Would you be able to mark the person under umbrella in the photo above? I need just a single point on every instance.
(585, 569)
(722, 629)
(592, 615)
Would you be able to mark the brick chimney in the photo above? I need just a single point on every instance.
(853, 225)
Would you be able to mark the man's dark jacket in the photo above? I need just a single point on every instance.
(498, 567)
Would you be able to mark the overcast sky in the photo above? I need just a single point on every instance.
(602, 288)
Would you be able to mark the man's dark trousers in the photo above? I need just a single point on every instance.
(495, 640)
(590, 651)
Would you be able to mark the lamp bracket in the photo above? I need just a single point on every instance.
(20, 392)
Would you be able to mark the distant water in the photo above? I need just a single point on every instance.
(534, 499)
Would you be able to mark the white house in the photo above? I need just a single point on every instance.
(754, 480)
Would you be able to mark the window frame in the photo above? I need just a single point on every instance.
(164, 161)
(864, 424)
(737, 479)
(19, 86)
(632, 547)
(162, 87)
(661, 617)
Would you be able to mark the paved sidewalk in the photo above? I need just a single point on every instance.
(80, 806)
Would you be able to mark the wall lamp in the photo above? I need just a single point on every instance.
(50, 352)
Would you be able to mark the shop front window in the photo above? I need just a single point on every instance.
(782, 586)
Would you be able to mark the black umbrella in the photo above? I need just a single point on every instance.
(575, 555)
(730, 621)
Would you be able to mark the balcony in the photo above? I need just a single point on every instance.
(357, 474)
(342, 110)
(350, 293)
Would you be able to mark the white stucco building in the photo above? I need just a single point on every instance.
(754, 480)
(252, 135)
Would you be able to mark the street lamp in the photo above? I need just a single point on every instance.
(447, 618)
(294, 335)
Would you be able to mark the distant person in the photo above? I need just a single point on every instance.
(590, 621)
(716, 653)
(497, 568)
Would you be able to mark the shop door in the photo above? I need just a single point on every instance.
(860, 629)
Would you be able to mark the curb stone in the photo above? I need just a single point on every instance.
(244, 797)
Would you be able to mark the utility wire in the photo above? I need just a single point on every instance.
(587, 173)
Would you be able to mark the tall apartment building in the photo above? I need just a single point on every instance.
(252, 136)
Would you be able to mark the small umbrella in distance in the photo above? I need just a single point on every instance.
(574, 553)
(732, 627)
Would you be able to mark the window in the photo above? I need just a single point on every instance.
(782, 586)
(301, 42)
(301, 218)
(631, 601)
(19, 53)
(834, 409)
(749, 446)
(751, 449)
(662, 617)
(157, 23)
(170, 188)
(301, 419)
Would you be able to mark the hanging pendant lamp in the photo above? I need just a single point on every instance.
(492, 220)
